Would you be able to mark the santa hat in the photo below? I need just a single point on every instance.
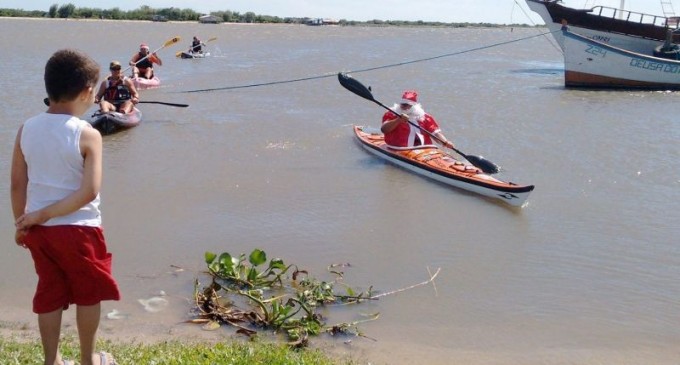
(410, 97)
(143, 45)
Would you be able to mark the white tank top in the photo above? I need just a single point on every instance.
(51, 147)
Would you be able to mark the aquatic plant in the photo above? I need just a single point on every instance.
(247, 295)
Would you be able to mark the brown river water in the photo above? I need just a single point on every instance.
(586, 273)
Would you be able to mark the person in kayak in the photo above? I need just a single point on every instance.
(196, 46)
(142, 62)
(400, 134)
(117, 93)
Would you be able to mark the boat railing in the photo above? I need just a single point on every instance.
(635, 17)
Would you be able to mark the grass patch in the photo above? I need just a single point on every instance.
(26, 352)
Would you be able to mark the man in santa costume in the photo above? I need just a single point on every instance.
(400, 134)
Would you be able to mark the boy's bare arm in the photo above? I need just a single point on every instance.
(19, 179)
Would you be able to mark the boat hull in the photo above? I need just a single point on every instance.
(142, 83)
(639, 33)
(435, 164)
(592, 64)
(112, 122)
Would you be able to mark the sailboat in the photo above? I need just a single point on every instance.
(629, 30)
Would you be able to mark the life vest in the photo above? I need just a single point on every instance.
(145, 63)
(196, 46)
(116, 92)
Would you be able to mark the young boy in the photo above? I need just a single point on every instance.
(55, 181)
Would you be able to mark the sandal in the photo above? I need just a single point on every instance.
(106, 358)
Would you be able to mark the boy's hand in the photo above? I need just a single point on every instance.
(30, 219)
(19, 237)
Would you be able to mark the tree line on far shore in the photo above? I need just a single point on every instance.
(145, 12)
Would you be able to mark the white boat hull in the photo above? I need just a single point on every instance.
(589, 63)
(643, 42)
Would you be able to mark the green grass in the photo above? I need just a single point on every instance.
(27, 352)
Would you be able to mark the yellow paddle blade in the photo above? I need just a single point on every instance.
(172, 41)
(179, 53)
(211, 39)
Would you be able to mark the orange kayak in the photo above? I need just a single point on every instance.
(434, 163)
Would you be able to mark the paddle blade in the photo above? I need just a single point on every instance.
(355, 86)
(211, 39)
(483, 164)
(172, 41)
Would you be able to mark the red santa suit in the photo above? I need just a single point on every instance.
(405, 135)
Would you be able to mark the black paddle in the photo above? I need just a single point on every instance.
(358, 88)
(47, 102)
(163, 103)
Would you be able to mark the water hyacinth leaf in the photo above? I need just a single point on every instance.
(209, 257)
(277, 263)
(226, 262)
(257, 257)
(252, 274)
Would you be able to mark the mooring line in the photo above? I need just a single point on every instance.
(333, 74)
(558, 48)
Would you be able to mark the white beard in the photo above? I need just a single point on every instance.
(415, 112)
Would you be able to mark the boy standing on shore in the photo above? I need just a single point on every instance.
(55, 181)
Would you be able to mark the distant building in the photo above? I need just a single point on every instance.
(321, 21)
(159, 18)
(209, 19)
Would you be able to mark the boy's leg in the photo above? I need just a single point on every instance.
(50, 329)
(87, 319)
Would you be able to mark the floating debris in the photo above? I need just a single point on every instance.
(116, 314)
(154, 304)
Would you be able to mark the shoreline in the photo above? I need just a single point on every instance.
(362, 24)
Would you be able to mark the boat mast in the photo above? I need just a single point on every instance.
(667, 7)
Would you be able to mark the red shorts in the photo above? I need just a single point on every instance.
(73, 266)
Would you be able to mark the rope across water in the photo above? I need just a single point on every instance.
(334, 73)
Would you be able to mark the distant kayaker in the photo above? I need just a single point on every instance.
(399, 134)
(142, 62)
(117, 93)
(196, 46)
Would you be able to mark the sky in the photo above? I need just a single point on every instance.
(449, 11)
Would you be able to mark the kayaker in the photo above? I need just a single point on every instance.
(399, 134)
(196, 46)
(117, 93)
(142, 62)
